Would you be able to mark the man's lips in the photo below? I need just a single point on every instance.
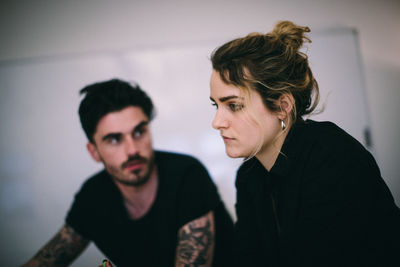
(134, 165)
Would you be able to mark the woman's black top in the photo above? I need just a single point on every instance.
(323, 203)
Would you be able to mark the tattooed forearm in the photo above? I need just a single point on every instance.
(61, 250)
(196, 242)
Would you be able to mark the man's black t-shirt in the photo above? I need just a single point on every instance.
(185, 192)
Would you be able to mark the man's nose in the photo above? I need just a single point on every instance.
(131, 147)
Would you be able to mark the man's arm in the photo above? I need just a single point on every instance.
(61, 250)
(196, 242)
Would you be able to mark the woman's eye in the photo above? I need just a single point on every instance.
(235, 106)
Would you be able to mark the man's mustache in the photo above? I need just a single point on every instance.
(133, 159)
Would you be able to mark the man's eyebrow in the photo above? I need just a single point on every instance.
(118, 135)
(226, 98)
(111, 135)
(140, 125)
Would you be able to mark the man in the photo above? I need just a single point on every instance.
(146, 208)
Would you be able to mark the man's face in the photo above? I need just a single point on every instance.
(122, 141)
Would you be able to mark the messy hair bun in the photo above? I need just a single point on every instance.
(290, 35)
(273, 65)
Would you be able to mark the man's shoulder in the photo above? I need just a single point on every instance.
(181, 168)
(91, 194)
(176, 158)
(97, 181)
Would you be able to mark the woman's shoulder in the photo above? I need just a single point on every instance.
(327, 133)
(320, 127)
(327, 138)
(248, 171)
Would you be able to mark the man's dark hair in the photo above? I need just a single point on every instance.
(109, 96)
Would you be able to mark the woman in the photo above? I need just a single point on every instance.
(308, 194)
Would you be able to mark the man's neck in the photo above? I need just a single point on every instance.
(139, 199)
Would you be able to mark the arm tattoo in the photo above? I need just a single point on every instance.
(62, 249)
(196, 242)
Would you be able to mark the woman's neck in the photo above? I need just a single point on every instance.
(268, 155)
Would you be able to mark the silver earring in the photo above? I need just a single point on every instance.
(283, 125)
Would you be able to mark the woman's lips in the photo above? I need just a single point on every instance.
(227, 139)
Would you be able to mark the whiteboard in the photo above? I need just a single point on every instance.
(43, 159)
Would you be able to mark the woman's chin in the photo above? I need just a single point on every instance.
(234, 154)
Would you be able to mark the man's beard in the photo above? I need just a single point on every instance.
(140, 179)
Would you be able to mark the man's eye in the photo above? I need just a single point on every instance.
(235, 106)
(138, 133)
(113, 140)
(214, 104)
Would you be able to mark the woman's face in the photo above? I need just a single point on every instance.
(237, 122)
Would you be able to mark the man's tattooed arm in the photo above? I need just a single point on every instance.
(61, 250)
(196, 242)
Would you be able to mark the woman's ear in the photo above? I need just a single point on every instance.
(286, 104)
(93, 151)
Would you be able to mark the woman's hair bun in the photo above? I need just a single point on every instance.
(291, 35)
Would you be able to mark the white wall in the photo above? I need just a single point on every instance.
(40, 29)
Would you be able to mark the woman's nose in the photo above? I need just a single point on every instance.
(219, 121)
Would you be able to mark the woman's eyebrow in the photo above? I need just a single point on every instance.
(226, 98)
